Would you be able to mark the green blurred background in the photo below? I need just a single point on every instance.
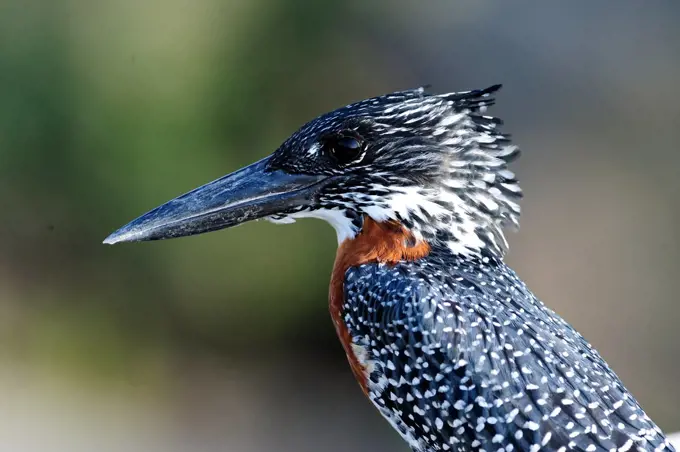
(223, 342)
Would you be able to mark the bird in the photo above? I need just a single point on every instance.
(443, 337)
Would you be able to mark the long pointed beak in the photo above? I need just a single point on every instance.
(248, 194)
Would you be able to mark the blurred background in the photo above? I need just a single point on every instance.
(223, 342)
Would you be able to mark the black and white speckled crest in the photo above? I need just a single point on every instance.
(435, 163)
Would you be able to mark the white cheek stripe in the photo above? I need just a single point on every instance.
(343, 226)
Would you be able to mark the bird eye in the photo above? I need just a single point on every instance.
(345, 149)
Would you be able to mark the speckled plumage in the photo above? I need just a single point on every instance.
(464, 357)
(446, 341)
(458, 354)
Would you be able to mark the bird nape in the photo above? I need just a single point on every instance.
(445, 340)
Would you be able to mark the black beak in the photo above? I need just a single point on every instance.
(248, 194)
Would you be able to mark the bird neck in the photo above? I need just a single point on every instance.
(384, 243)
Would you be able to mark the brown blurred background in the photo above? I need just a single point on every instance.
(223, 342)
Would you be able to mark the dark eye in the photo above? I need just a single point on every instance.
(345, 149)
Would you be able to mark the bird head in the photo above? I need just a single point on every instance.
(433, 163)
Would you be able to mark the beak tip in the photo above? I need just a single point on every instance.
(120, 236)
(110, 240)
